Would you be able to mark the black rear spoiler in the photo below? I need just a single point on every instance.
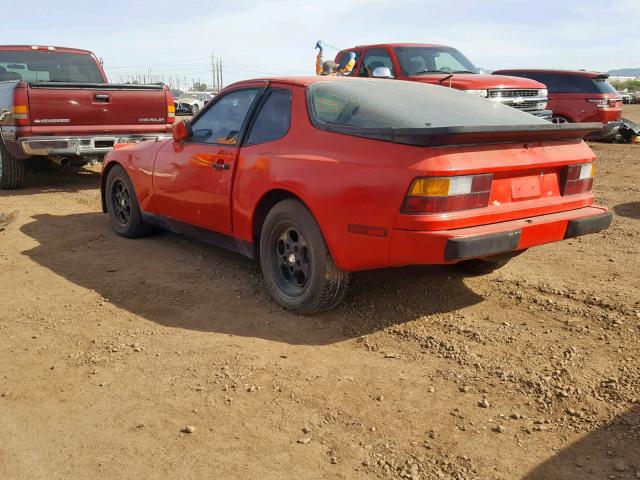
(96, 86)
(471, 135)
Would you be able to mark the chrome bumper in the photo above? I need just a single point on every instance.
(80, 146)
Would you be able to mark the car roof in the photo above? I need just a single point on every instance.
(302, 81)
(585, 73)
(383, 45)
(45, 48)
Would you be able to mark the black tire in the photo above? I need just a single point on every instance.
(12, 170)
(484, 266)
(195, 109)
(296, 264)
(559, 119)
(122, 206)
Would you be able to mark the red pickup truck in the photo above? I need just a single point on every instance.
(57, 103)
(446, 66)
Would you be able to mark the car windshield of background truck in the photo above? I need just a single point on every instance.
(49, 66)
(381, 103)
(425, 60)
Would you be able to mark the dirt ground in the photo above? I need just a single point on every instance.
(110, 348)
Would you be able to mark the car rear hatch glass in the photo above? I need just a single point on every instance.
(425, 115)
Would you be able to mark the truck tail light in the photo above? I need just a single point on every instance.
(20, 110)
(578, 178)
(171, 108)
(447, 194)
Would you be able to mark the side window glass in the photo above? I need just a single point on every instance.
(374, 58)
(222, 123)
(550, 81)
(575, 84)
(274, 118)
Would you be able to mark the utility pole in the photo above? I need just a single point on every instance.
(220, 84)
(213, 73)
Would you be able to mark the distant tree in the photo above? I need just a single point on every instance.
(631, 85)
(200, 87)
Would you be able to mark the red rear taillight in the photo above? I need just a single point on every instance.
(600, 102)
(447, 194)
(606, 102)
(171, 108)
(20, 110)
(578, 178)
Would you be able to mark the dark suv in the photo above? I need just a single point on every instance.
(578, 96)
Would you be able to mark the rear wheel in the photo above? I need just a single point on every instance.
(296, 263)
(122, 205)
(12, 170)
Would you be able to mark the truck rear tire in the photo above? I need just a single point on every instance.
(12, 170)
(296, 264)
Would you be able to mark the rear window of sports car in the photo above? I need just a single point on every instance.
(378, 103)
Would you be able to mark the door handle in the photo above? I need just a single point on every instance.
(220, 165)
(101, 98)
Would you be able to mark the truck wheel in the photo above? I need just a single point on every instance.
(12, 170)
(297, 266)
(122, 206)
(484, 266)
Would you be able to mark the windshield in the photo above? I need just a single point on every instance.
(50, 66)
(425, 60)
(374, 103)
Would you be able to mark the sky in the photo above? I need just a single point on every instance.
(268, 38)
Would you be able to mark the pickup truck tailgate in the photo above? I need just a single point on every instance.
(60, 104)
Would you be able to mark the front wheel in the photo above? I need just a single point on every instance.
(559, 119)
(297, 266)
(194, 110)
(122, 205)
(12, 170)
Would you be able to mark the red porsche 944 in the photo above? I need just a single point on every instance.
(317, 177)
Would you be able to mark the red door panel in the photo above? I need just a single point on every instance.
(192, 183)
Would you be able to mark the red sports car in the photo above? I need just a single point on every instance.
(319, 177)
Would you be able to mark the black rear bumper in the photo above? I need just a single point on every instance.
(481, 245)
(477, 246)
(584, 226)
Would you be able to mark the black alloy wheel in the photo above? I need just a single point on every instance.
(291, 260)
(298, 269)
(122, 205)
(121, 202)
